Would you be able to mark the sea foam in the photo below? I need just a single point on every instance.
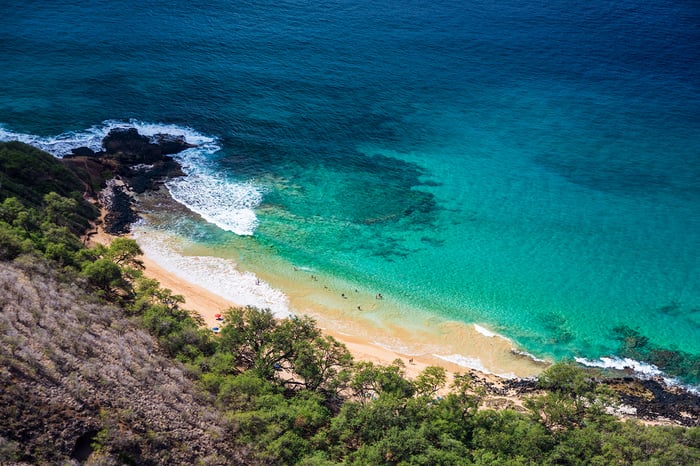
(621, 364)
(214, 274)
(485, 332)
(530, 356)
(206, 191)
(62, 144)
(227, 204)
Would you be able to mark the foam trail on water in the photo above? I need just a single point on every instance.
(206, 191)
(214, 274)
(525, 354)
(191, 135)
(622, 363)
(485, 332)
(62, 144)
(226, 204)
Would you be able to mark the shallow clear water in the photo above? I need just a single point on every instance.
(534, 167)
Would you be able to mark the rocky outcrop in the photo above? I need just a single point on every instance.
(132, 148)
(654, 400)
(120, 211)
(82, 152)
(140, 163)
(650, 400)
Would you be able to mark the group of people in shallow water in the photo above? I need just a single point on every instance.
(378, 296)
(359, 308)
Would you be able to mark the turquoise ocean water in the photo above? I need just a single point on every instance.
(533, 167)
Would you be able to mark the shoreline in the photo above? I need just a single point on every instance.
(373, 328)
(367, 340)
(207, 304)
(650, 401)
(390, 322)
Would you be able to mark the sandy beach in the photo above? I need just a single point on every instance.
(366, 338)
(377, 341)
(209, 304)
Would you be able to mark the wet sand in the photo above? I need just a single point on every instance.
(379, 341)
(375, 332)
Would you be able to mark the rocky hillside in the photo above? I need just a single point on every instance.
(75, 373)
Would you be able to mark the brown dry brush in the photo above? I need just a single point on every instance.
(77, 379)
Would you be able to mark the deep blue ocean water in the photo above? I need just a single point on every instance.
(530, 166)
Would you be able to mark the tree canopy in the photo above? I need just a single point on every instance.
(287, 393)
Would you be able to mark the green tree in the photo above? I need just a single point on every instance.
(105, 276)
(179, 333)
(262, 343)
(323, 363)
(397, 445)
(124, 252)
(370, 380)
(58, 209)
(572, 398)
(360, 424)
(10, 209)
(10, 243)
(430, 381)
(510, 436)
(28, 220)
(566, 378)
(148, 292)
(239, 392)
(281, 427)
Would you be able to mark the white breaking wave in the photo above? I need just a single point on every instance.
(62, 144)
(191, 135)
(622, 363)
(472, 363)
(227, 204)
(640, 368)
(525, 354)
(214, 274)
(485, 332)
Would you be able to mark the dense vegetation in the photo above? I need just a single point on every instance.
(29, 175)
(101, 363)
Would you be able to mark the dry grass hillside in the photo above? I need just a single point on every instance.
(75, 373)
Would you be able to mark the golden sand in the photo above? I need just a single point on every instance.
(374, 332)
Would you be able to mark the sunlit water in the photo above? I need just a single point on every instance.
(531, 167)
